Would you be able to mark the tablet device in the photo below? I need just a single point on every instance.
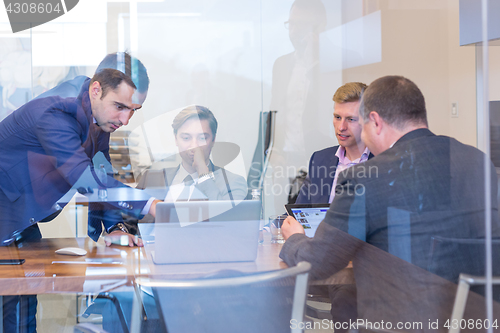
(308, 215)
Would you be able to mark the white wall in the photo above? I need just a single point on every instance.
(419, 40)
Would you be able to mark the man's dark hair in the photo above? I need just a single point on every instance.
(396, 99)
(129, 65)
(195, 111)
(110, 79)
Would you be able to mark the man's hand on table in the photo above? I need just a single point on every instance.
(291, 226)
(119, 237)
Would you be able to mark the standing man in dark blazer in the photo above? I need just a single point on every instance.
(420, 185)
(44, 154)
(98, 139)
(324, 166)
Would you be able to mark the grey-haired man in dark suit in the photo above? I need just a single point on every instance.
(418, 185)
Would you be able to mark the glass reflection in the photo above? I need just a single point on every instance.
(296, 91)
(221, 54)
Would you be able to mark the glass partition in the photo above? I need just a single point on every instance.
(415, 219)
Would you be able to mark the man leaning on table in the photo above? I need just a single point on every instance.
(98, 140)
(425, 185)
(43, 153)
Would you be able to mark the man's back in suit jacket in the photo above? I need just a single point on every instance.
(424, 186)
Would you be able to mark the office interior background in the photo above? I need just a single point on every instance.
(240, 58)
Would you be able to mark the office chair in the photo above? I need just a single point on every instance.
(462, 261)
(116, 310)
(451, 257)
(260, 302)
(465, 282)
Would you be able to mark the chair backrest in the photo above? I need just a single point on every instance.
(463, 261)
(465, 282)
(451, 257)
(263, 150)
(260, 302)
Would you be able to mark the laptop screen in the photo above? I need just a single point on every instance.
(206, 231)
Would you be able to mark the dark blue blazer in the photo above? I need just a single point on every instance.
(43, 156)
(318, 184)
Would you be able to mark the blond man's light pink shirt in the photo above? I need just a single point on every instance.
(345, 163)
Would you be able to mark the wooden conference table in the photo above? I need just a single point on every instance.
(104, 268)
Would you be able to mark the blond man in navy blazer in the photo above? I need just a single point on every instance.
(324, 166)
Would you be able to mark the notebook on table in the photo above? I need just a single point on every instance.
(309, 215)
(206, 231)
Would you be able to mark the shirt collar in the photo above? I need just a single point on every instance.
(344, 160)
(184, 172)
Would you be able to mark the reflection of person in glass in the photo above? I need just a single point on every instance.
(296, 96)
(295, 86)
(196, 177)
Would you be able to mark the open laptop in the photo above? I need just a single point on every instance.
(309, 215)
(206, 231)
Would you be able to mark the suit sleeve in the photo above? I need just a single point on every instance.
(58, 133)
(111, 214)
(337, 238)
